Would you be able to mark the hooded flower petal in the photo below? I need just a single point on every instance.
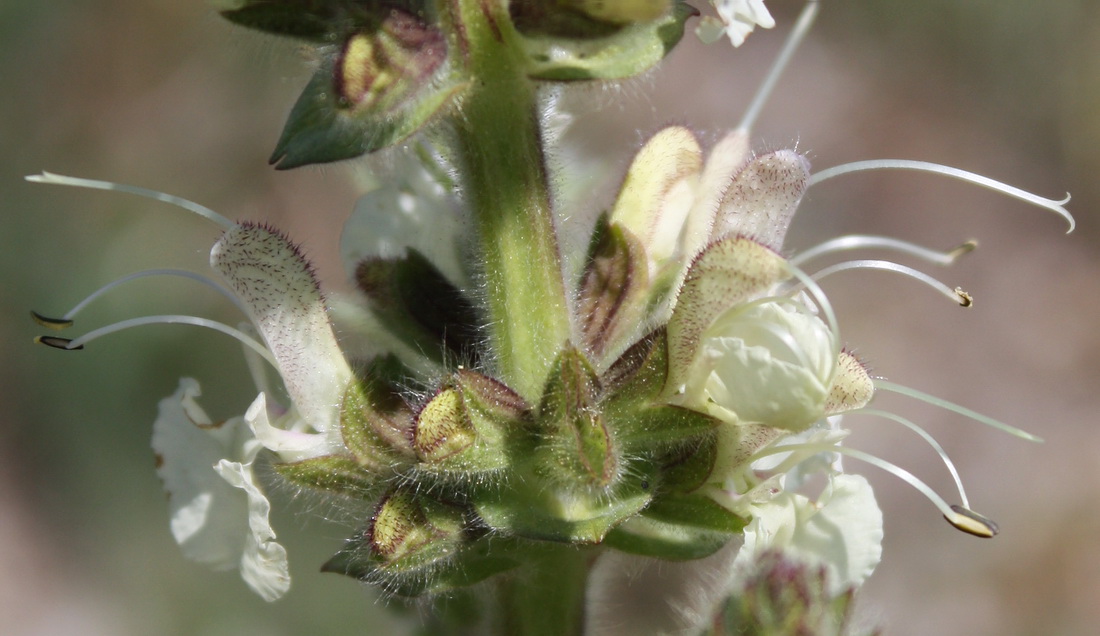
(763, 364)
(218, 513)
(842, 531)
(277, 287)
(762, 198)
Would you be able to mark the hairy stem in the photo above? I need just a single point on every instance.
(501, 160)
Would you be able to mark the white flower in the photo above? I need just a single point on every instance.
(770, 363)
(219, 515)
(841, 531)
(736, 19)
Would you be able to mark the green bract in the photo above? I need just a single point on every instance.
(388, 69)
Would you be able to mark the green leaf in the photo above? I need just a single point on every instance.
(311, 20)
(638, 377)
(694, 511)
(651, 538)
(334, 473)
(624, 52)
(687, 469)
(657, 427)
(533, 511)
(677, 527)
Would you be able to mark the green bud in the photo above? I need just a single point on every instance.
(788, 597)
(611, 297)
(379, 67)
(576, 449)
(406, 525)
(389, 79)
(467, 430)
(442, 428)
(418, 545)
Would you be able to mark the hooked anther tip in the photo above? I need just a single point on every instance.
(51, 323)
(965, 299)
(973, 523)
(57, 343)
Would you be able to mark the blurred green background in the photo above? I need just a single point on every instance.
(163, 94)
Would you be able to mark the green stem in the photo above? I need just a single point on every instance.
(547, 597)
(504, 177)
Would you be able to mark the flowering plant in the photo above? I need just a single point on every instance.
(529, 441)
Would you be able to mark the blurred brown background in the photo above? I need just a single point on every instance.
(163, 94)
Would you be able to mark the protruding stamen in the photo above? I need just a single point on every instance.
(205, 212)
(962, 518)
(955, 295)
(67, 319)
(972, 523)
(798, 33)
(927, 438)
(865, 241)
(78, 343)
(924, 166)
(56, 324)
(955, 408)
(65, 344)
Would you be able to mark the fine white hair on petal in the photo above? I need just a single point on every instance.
(763, 197)
(284, 301)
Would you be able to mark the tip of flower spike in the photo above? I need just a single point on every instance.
(971, 522)
(57, 343)
(51, 323)
(965, 299)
